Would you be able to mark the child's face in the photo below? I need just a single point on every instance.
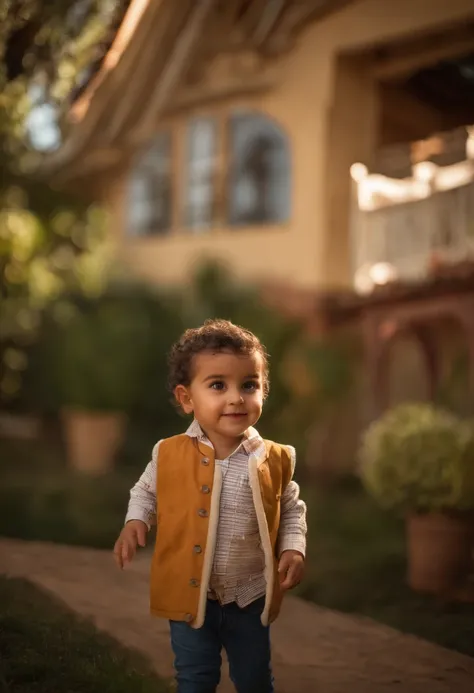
(225, 394)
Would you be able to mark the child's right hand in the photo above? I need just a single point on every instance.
(131, 536)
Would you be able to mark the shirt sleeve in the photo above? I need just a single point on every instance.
(293, 528)
(142, 504)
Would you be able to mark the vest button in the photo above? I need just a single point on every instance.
(188, 618)
(194, 583)
(197, 549)
(205, 489)
(205, 461)
(203, 513)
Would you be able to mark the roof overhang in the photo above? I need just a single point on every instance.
(163, 36)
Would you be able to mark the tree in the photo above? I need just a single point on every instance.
(48, 240)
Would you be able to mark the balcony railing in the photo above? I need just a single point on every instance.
(401, 227)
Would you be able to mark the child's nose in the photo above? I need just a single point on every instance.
(236, 397)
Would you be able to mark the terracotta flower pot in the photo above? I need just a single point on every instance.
(440, 547)
(92, 439)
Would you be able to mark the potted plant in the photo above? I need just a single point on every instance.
(100, 358)
(418, 460)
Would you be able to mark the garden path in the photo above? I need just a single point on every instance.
(315, 650)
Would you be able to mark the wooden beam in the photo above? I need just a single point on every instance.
(269, 18)
(124, 36)
(150, 47)
(250, 19)
(228, 11)
(294, 17)
(246, 86)
(423, 311)
(299, 13)
(272, 26)
(173, 71)
(410, 61)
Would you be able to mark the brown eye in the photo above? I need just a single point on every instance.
(217, 385)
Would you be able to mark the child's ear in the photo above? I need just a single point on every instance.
(183, 398)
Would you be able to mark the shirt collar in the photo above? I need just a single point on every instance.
(252, 439)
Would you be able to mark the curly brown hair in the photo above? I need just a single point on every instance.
(214, 335)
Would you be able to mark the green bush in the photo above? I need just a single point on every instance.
(64, 508)
(419, 458)
(100, 354)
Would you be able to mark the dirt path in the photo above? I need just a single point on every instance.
(315, 650)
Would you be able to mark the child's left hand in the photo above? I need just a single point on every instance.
(290, 569)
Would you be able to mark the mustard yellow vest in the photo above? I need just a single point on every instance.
(188, 494)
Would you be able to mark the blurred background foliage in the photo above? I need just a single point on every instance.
(109, 353)
(50, 242)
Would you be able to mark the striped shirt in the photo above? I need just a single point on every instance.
(238, 565)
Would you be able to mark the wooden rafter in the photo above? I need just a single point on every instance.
(301, 11)
(238, 86)
(268, 26)
(158, 36)
(268, 20)
(252, 17)
(297, 14)
(174, 70)
(416, 55)
(125, 33)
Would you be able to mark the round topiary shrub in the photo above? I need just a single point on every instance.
(417, 458)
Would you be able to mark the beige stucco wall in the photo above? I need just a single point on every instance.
(301, 251)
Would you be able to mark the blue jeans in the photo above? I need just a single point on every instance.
(240, 632)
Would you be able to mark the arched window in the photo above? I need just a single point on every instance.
(149, 190)
(260, 172)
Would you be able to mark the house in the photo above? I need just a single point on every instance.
(298, 141)
(228, 128)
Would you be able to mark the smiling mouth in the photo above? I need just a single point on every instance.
(235, 416)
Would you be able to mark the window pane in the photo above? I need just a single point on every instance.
(201, 139)
(200, 173)
(149, 193)
(260, 178)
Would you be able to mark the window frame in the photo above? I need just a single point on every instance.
(146, 169)
(282, 218)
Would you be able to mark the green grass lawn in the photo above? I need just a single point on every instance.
(45, 648)
(356, 564)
